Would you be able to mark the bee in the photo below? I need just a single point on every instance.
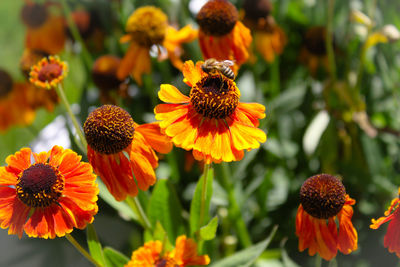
(212, 65)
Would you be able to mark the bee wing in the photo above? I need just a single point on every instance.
(229, 62)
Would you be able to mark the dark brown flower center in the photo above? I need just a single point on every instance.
(147, 26)
(315, 41)
(49, 72)
(217, 17)
(215, 96)
(40, 185)
(6, 83)
(256, 9)
(322, 196)
(109, 129)
(34, 14)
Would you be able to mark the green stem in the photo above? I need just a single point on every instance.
(329, 41)
(137, 208)
(75, 33)
(82, 250)
(318, 260)
(234, 209)
(82, 144)
(203, 194)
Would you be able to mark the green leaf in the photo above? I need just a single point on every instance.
(94, 245)
(114, 258)
(123, 209)
(196, 202)
(208, 232)
(247, 256)
(164, 206)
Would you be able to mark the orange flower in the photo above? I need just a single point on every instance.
(46, 194)
(45, 31)
(313, 54)
(48, 73)
(392, 237)
(14, 104)
(269, 38)
(221, 35)
(184, 254)
(121, 151)
(211, 121)
(104, 74)
(323, 198)
(148, 26)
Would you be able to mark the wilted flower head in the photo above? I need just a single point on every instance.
(147, 27)
(323, 198)
(121, 151)
(221, 35)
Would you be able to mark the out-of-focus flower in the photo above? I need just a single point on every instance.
(46, 194)
(313, 53)
(392, 237)
(89, 27)
(37, 97)
(14, 105)
(104, 74)
(391, 32)
(221, 35)
(361, 18)
(148, 26)
(152, 254)
(211, 121)
(45, 30)
(323, 198)
(121, 151)
(269, 38)
(48, 73)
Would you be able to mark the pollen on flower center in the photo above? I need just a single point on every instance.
(40, 185)
(147, 26)
(6, 83)
(34, 14)
(215, 96)
(109, 129)
(217, 17)
(322, 196)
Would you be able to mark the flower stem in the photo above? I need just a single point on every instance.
(234, 209)
(72, 240)
(329, 41)
(137, 208)
(82, 144)
(203, 194)
(75, 33)
(318, 260)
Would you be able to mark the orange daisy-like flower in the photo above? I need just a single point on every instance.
(269, 38)
(184, 254)
(48, 73)
(313, 54)
(46, 194)
(14, 105)
(221, 35)
(121, 151)
(323, 199)
(148, 26)
(211, 121)
(392, 237)
(45, 31)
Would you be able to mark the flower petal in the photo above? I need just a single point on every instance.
(170, 94)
